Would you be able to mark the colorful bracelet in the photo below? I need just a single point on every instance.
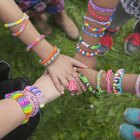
(35, 42)
(91, 34)
(22, 27)
(23, 101)
(87, 45)
(117, 82)
(85, 53)
(98, 78)
(38, 94)
(101, 9)
(93, 28)
(53, 56)
(102, 18)
(86, 82)
(7, 25)
(137, 86)
(35, 101)
(108, 80)
(107, 23)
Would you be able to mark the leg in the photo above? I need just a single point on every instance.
(56, 8)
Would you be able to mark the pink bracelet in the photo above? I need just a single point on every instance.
(31, 96)
(102, 18)
(22, 27)
(137, 86)
(108, 76)
(35, 42)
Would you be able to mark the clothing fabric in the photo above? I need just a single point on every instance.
(132, 7)
(35, 7)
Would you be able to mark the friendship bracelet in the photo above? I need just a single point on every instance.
(102, 18)
(91, 34)
(85, 53)
(35, 42)
(104, 10)
(107, 23)
(84, 79)
(108, 80)
(137, 86)
(32, 97)
(22, 28)
(24, 102)
(7, 25)
(117, 82)
(98, 78)
(87, 45)
(38, 94)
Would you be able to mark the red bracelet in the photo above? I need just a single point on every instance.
(108, 76)
(102, 18)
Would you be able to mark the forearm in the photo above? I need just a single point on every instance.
(10, 12)
(10, 107)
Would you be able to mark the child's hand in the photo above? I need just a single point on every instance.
(62, 72)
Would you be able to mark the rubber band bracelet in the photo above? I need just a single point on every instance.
(87, 45)
(84, 79)
(23, 101)
(98, 78)
(22, 28)
(86, 24)
(35, 42)
(7, 25)
(117, 81)
(101, 9)
(102, 18)
(108, 80)
(137, 86)
(91, 34)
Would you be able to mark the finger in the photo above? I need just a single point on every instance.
(57, 84)
(64, 82)
(77, 63)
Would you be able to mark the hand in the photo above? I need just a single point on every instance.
(131, 130)
(62, 72)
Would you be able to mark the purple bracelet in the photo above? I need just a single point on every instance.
(137, 86)
(101, 9)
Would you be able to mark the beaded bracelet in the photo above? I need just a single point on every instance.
(137, 86)
(85, 53)
(7, 25)
(38, 94)
(93, 28)
(23, 101)
(101, 9)
(35, 101)
(108, 80)
(87, 45)
(53, 56)
(98, 78)
(91, 34)
(107, 23)
(35, 42)
(117, 82)
(86, 82)
(22, 27)
(102, 18)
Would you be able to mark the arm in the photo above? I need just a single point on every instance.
(9, 107)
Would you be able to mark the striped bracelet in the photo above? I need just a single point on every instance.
(137, 86)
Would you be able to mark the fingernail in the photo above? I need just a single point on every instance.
(62, 92)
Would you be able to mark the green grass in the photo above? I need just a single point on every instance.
(72, 118)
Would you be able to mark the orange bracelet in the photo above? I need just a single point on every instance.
(50, 56)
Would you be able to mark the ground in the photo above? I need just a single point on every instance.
(83, 117)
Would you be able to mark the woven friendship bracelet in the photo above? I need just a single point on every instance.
(108, 80)
(102, 18)
(117, 81)
(7, 25)
(91, 34)
(137, 86)
(101, 9)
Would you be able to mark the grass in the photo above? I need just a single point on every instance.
(73, 118)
